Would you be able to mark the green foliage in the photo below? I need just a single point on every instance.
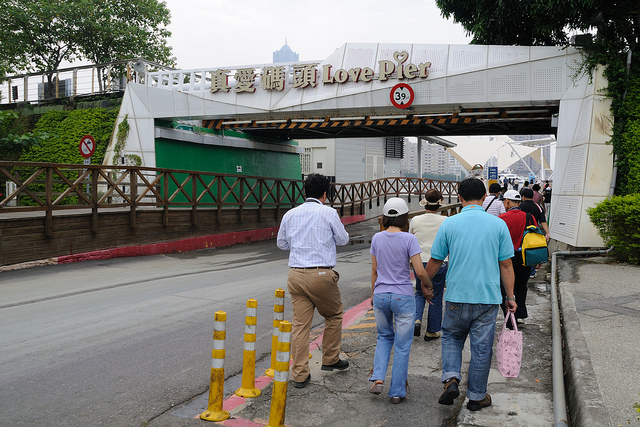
(516, 22)
(38, 35)
(539, 22)
(618, 222)
(65, 129)
(15, 137)
(114, 30)
(626, 138)
(121, 138)
(613, 30)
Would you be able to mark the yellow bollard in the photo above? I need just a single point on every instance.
(278, 316)
(214, 411)
(281, 378)
(248, 385)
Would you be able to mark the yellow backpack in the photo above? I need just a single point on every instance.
(534, 245)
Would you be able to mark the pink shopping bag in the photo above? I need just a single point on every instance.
(509, 349)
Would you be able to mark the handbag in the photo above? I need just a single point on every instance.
(509, 349)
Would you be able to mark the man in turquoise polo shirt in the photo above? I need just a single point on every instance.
(479, 248)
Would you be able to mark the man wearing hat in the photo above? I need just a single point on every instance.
(516, 221)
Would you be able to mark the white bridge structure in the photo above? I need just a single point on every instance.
(439, 90)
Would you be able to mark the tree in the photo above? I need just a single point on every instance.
(541, 22)
(612, 35)
(112, 30)
(37, 35)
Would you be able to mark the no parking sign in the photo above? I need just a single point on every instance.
(87, 148)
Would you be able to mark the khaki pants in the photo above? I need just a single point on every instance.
(309, 289)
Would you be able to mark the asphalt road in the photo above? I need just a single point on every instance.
(123, 341)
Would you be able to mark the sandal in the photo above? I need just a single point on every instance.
(376, 387)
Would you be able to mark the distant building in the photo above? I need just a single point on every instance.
(435, 159)
(348, 160)
(285, 54)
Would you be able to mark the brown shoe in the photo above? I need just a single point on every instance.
(450, 391)
(476, 405)
(376, 387)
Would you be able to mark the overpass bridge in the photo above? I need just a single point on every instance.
(186, 128)
(367, 90)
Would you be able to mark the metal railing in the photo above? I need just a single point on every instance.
(47, 187)
(81, 80)
(200, 79)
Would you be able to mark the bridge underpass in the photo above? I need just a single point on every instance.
(481, 121)
(446, 90)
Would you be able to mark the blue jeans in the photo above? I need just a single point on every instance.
(434, 316)
(478, 321)
(388, 307)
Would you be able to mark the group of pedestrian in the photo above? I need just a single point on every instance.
(474, 253)
(477, 283)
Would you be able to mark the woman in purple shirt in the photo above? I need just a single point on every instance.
(392, 296)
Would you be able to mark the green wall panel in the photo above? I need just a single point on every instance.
(173, 154)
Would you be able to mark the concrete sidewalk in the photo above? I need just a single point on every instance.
(600, 302)
(342, 398)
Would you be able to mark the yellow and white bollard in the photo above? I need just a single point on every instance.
(281, 378)
(278, 316)
(214, 410)
(248, 385)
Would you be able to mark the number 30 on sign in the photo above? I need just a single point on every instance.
(401, 95)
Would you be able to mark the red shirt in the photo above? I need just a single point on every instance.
(516, 220)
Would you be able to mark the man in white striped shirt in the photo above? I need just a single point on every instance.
(491, 203)
(311, 232)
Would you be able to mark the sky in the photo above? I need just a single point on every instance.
(219, 33)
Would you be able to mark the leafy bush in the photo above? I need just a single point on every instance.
(618, 222)
(64, 129)
(15, 137)
(626, 131)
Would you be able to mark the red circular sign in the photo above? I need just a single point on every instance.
(401, 95)
(87, 146)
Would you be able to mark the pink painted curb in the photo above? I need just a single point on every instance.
(185, 245)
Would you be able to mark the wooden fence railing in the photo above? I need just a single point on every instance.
(46, 187)
(350, 195)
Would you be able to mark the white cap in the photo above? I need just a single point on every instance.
(511, 195)
(395, 207)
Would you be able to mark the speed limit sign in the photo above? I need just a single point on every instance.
(401, 95)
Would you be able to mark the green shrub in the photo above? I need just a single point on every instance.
(626, 131)
(618, 222)
(64, 129)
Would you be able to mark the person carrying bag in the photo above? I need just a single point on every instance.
(509, 349)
